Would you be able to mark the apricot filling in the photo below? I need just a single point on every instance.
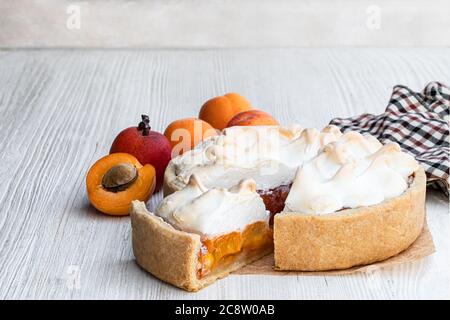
(223, 250)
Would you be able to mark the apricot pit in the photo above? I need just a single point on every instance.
(119, 177)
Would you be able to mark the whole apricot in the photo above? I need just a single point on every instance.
(185, 134)
(252, 118)
(148, 146)
(218, 111)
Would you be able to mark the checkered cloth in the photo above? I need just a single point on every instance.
(419, 123)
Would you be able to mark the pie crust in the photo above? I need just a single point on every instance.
(350, 237)
(303, 242)
(172, 255)
(169, 186)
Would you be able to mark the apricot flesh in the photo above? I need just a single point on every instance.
(222, 250)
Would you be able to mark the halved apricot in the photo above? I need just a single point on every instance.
(117, 179)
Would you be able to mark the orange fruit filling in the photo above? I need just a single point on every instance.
(223, 250)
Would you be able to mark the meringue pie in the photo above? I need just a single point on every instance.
(321, 200)
(207, 233)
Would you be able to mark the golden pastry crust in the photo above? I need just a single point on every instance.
(172, 255)
(350, 237)
(169, 186)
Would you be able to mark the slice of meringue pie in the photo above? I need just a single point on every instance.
(200, 234)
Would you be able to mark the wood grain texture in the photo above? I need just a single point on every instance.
(60, 110)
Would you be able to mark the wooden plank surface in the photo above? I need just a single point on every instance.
(60, 110)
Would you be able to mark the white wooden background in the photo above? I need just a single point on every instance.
(60, 110)
(223, 23)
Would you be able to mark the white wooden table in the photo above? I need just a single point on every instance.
(60, 110)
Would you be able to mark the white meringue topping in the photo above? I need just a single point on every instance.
(215, 211)
(354, 171)
(268, 154)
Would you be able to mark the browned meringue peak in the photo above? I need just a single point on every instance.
(213, 211)
(351, 145)
(354, 171)
(267, 154)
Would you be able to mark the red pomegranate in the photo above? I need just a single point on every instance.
(148, 146)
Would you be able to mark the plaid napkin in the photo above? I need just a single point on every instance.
(419, 123)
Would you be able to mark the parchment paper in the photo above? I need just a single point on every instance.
(420, 249)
